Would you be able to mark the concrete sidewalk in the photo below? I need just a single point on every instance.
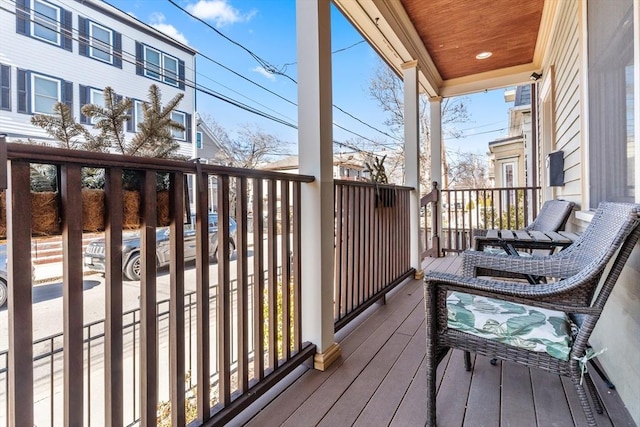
(50, 272)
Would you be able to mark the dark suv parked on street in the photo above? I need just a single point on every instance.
(94, 255)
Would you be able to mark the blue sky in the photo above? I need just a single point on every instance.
(267, 29)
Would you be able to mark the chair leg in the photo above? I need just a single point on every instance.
(584, 399)
(602, 375)
(431, 391)
(467, 361)
(431, 361)
(597, 402)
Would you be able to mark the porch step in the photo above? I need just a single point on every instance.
(49, 249)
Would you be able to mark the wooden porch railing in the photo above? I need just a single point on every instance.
(245, 342)
(465, 210)
(371, 250)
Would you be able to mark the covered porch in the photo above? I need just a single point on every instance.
(370, 370)
(380, 380)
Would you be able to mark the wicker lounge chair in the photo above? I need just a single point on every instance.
(553, 216)
(450, 302)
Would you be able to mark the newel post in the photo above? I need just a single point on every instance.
(435, 104)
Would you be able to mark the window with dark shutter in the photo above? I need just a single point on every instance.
(139, 59)
(181, 74)
(181, 118)
(5, 87)
(96, 97)
(43, 92)
(188, 127)
(45, 22)
(100, 43)
(131, 123)
(83, 36)
(23, 99)
(158, 65)
(67, 94)
(117, 49)
(66, 24)
(84, 100)
(22, 16)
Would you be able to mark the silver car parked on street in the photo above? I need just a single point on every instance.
(94, 255)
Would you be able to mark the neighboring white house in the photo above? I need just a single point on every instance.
(208, 147)
(345, 166)
(69, 51)
(507, 162)
(510, 157)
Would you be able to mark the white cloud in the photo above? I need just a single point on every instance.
(218, 11)
(265, 73)
(157, 22)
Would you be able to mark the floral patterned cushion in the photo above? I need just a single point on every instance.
(533, 328)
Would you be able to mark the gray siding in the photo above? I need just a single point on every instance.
(619, 328)
(564, 56)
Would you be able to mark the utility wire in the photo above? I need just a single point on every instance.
(191, 84)
(272, 69)
(334, 52)
(265, 64)
(479, 133)
(130, 58)
(208, 91)
(247, 79)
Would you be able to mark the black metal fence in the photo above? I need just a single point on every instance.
(48, 362)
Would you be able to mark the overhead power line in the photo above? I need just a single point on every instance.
(130, 58)
(333, 53)
(272, 69)
(265, 64)
(126, 57)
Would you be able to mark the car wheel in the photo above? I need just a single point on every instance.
(232, 248)
(132, 268)
(3, 292)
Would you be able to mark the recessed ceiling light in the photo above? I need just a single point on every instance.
(483, 55)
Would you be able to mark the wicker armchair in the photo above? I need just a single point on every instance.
(614, 228)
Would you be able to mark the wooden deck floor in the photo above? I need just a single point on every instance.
(380, 381)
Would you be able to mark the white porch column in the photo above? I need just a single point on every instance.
(435, 125)
(315, 142)
(412, 160)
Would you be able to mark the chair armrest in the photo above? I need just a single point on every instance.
(548, 266)
(476, 235)
(566, 295)
(497, 288)
(479, 232)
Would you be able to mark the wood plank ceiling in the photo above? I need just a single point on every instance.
(455, 31)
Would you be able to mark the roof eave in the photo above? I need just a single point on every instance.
(511, 76)
(387, 28)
